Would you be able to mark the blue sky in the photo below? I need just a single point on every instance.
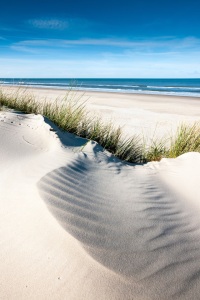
(77, 39)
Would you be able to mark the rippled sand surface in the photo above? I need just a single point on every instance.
(77, 223)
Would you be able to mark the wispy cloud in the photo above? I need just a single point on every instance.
(24, 49)
(55, 24)
(39, 43)
(188, 42)
(146, 45)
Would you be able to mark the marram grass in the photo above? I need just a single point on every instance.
(187, 139)
(70, 114)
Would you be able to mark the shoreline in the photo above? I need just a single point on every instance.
(93, 91)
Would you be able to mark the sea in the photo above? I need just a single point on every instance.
(175, 87)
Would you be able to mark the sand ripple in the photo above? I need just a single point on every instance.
(130, 222)
(76, 223)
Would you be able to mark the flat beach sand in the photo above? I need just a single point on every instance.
(77, 223)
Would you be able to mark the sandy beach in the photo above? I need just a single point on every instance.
(77, 223)
(148, 115)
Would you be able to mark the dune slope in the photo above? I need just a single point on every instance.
(76, 223)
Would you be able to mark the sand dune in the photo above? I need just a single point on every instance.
(76, 223)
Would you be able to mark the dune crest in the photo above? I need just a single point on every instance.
(77, 223)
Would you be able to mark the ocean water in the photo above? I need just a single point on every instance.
(175, 87)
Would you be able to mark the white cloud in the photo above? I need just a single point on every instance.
(171, 44)
(183, 43)
(24, 49)
(55, 24)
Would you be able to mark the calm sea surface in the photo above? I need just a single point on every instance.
(176, 87)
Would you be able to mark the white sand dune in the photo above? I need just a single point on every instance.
(76, 223)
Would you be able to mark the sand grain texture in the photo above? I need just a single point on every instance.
(76, 223)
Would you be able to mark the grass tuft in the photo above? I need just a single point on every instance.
(187, 139)
(155, 151)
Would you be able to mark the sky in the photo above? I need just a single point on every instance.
(100, 39)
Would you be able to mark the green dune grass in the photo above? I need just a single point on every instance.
(70, 114)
